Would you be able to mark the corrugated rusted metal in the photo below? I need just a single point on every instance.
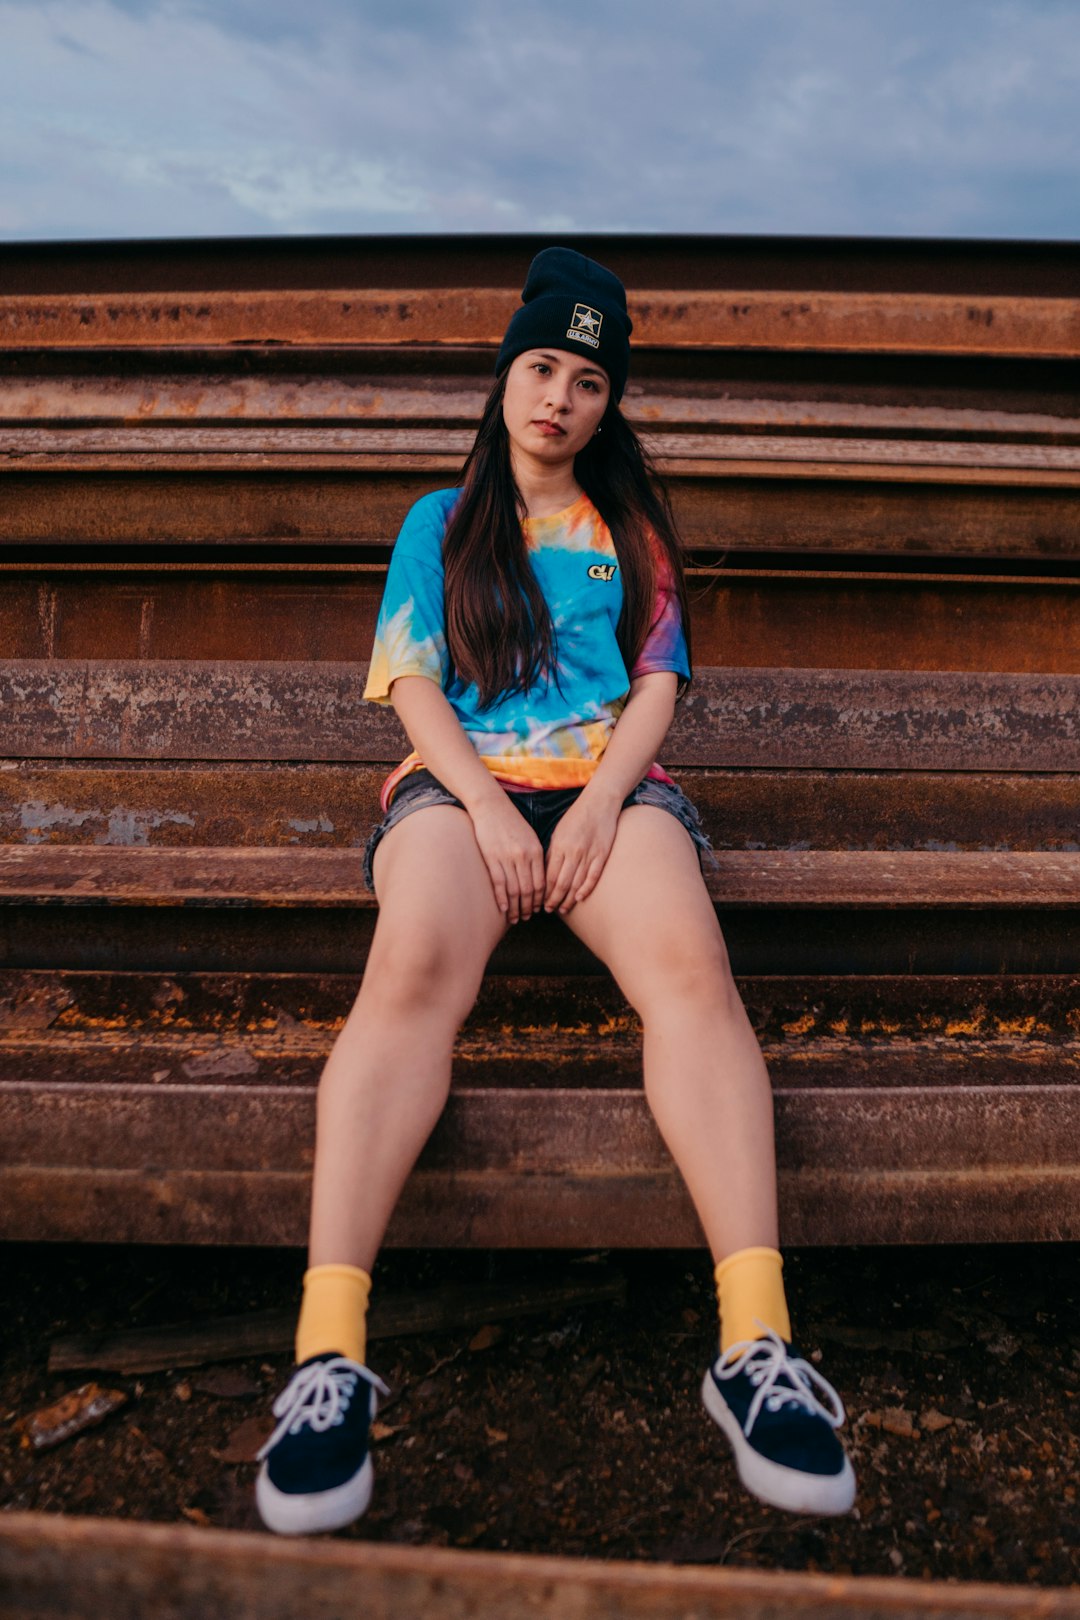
(735, 317)
(205, 452)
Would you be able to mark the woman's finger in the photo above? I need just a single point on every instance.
(560, 871)
(591, 879)
(513, 893)
(539, 877)
(568, 880)
(498, 884)
(524, 877)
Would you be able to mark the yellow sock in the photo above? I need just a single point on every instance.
(750, 1290)
(333, 1315)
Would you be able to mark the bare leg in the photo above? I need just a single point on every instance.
(386, 1080)
(651, 921)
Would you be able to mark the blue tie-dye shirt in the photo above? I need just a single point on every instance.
(554, 735)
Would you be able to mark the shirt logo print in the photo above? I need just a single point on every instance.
(602, 571)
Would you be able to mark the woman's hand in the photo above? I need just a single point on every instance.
(578, 852)
(513, 856)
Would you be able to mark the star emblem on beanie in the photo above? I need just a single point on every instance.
(586, 319)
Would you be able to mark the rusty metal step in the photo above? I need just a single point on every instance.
(686, 318)
(798, 1015)
(520, 1057)
(260, 804)
(779, 939)
(838, 719)
(115, 392)
(740, 618)
(797, 509)
(95, 875)
(538, 1168)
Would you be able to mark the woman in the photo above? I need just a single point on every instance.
(533, 639)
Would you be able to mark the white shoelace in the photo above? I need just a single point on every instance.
(765, 1361)
(318, 1395)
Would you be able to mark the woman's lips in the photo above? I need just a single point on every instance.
(552, 429)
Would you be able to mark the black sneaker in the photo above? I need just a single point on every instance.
(316, 1473)
(784, 1439)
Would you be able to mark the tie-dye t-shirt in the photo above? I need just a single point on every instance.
(553, 735)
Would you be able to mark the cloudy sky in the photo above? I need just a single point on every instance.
(164, 118)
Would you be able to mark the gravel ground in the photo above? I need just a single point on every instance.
(583, 1433)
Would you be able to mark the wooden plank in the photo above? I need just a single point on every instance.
(452, 1307)
(739, 318)
(85, 875)
(81, 1568)
(840, 719)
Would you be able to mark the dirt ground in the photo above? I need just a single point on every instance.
(582, 1432)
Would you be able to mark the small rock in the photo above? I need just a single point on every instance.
(227, 1384)
(893, 1420)
(245, 1441)
(488, 1335)
(80, 1409)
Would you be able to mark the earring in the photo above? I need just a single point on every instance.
(599, 430)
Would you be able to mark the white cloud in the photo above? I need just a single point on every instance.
(186, 117)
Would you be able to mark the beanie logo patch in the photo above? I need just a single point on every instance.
(585, 325)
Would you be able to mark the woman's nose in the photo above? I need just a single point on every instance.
(559, 394)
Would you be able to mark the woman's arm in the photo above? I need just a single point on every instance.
(511, 850)
(583, 838)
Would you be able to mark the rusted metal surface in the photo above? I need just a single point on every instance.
(780, 939)
(260, 804)
(188, 761)
(76, 1568)
(795, 509)
(459, 1209)
(179, 805)
(802, 1012)
(497, 1132)
(729, 317)
(159, 447)
(740, 617)
(836, 719)
(183, 400)
(886, 264)
(92, 875)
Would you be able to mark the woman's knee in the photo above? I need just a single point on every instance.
(407, 977)
(688, 978)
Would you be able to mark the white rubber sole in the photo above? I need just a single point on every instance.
(306, 1515)
(771, 1482)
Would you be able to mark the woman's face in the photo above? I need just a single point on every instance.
(553, 403)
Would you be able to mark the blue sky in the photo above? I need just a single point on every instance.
(165, 118)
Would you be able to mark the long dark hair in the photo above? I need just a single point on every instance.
(498, 629)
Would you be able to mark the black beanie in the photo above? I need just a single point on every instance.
(571, 302)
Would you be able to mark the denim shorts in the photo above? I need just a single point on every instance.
(542, 808)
